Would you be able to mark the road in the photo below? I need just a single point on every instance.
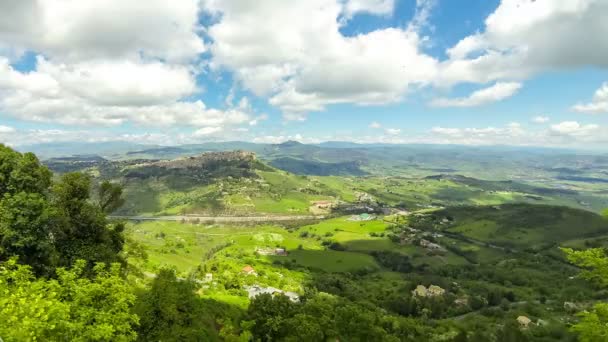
(220, 219)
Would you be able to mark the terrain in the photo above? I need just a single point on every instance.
(424, 246)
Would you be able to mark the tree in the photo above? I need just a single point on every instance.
(269, 315)
(47, 226)
(69, 308)
(593, 325)
(110, 197)
(86, 234)
(171, 310)
(28, 223)
(22, 173)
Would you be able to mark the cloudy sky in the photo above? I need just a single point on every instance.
(515, 72)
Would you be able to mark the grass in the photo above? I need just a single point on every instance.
(524, 226)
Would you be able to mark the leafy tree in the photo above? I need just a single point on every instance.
(27, 228)
(269, 315)
(86, 234)
(27, 221)
(69, 308)
(593, 325)
(171, 311)
(110, 197)
(22, 173)
(511, 332)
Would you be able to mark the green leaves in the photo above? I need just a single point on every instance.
(110, 197)
(593, 325)
(71, 307)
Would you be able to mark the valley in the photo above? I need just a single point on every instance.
(237, 222)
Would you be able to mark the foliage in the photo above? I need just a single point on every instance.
(47, 225)
(593, 325)
(110, 197)
(71, 307)
(86, 233)
(171, 310)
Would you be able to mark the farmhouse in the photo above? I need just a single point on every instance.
(256, 290)
(431, 246)
(431, 291)
(248, 270)
(323, 204)
(524, 321)
(272, 251)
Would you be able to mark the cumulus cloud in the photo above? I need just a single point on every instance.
(308, 63)
(6, 129)
(207, 131)
(378, 7)
(598, 105)
(494, 93)
(523, 37)
(573, 128)
(540, 119)
(567, 133)
(106, 29)
(392, 131)
(375, 125)
(108, 93)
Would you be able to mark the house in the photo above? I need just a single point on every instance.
(256, 290)
(248, 270)
(431, 246)
(432, 291)
(280, 251)
(272, 251)
(523, 321)
(323, 204)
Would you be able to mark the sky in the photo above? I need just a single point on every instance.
(473, 72)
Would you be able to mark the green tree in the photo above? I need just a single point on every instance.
(110, 197)
(27, 228)
(171, 311)
(86, 234)
(270, 314)
(28, 224)
(22, 173)
(593, 324)
(69, 308)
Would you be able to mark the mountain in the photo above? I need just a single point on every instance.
(317, 168)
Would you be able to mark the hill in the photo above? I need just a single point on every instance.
(317, 168)
(518, 226)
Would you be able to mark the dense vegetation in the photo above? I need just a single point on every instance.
(461, 273)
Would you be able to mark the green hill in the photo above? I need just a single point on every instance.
(519, 226)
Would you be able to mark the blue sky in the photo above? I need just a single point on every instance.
(479, 72)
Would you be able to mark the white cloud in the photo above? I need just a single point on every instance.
(258, 119)
(573, 128)
(6, 129)
(599, 104)
(497, 92)
(277, 139)
(569, 134)
(207, 131)
(375, 125)
(108, 94)
(540, 119)
(94, 29)
(523, 37)
(392, 131)
(378, 7)
(308, 64)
